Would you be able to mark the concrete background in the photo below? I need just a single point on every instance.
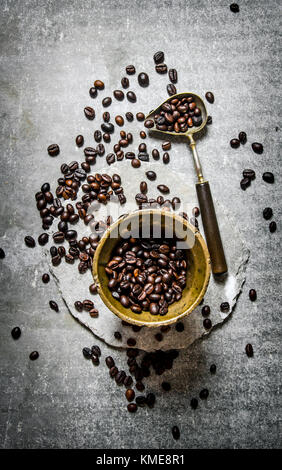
(51, 51)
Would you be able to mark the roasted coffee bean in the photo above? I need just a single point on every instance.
(143, 187)
(171, 89)
(135, 163)
(117, 335)
(155, 154)
(129, 116)
(179, 327)
(172, 73)
(45, 187)
(175, 432)
(110, 362)
(43, 239)
(166, 386)
(140, 400)
(131, 96)
(196, 211)
(272, 227)
(268, 177)
(267, 213)
(206, 311)
(29, 241)
(209, 97)
(207, 323)
(234, 7)
(110, 158)
(204, 394)
(54, 305)
(158, 57)
(34, 355)
(45, 278)
(119, 120)
(78, 306)
(124, 82)
(95, 360)
(248, 173)
(150, 399)
(252, 295)
(149, 123)
(130, 394)
(245, 183)
(131, 342)
(242, 137)
(143, 156)
(89, 113)
(132, 407)
(224, 307)
(166, 158)
(106, 116)
(96, 350)
(16, 332)
(56, 260)
(161, 68)
(209, 120)
(249, 350)
(93, 92)
(257, 148)
(87, 353)
(163, 188)
(158, 336)
(120, 377)
(151, 175)
(119, 95)
(140, 116)
(53, 150)
(213, 369)
(87, 305)
(99, 84)
(130, 70)
(235, 143)
(194, 403)
(143, 79)
(129, 155)
(97, 136)
(108, 127)
(166, 146)
(107, 101)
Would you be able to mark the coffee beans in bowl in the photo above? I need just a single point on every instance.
(154, 279)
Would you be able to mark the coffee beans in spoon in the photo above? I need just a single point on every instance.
(177, 115)
(147, 274)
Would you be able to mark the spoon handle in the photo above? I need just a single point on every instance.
(211, 229)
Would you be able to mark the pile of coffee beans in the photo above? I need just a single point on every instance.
(177, 115)
(147, 274)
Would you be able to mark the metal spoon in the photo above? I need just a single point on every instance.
(210, 224)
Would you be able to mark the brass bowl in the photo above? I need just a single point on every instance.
(198, 259)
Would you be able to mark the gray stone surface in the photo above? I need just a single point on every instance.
(50, 53)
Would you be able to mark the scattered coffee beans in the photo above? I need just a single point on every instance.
(209, 97)
(53, 150)
(272, 227)
(252, 295)
(204, 394)
(29, 241)
(249, 350)
(268, 177)
(267, 213)
(16, 332)
(175, 433)
(257, 148)
(34, 355)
